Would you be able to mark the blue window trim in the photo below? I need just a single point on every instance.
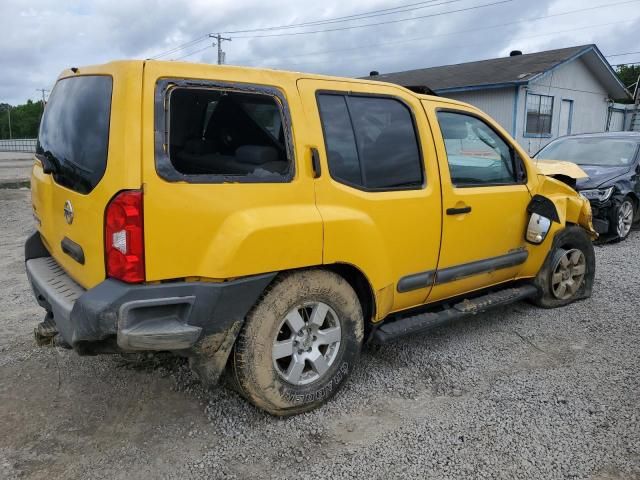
(514, 128)
(570, 100)
(524, 128)
(485, 86)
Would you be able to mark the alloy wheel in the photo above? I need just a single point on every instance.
(625, 219)
(307, 343)
(568, 274)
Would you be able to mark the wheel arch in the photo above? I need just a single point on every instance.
(361, 285)
(635, 198)
(354, 277)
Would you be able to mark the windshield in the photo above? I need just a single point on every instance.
(606, 152)
(74, 132)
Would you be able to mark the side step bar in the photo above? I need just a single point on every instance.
(424, 321)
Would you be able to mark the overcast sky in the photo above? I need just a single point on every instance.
(40, 38)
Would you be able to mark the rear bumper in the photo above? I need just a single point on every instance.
(174, 316)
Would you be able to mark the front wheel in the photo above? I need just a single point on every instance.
(299, 343)
(623, 219)
(568, 272)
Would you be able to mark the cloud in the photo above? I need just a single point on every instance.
(46, 37)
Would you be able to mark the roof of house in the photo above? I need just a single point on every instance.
(505, 71)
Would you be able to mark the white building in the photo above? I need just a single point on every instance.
(537, 96)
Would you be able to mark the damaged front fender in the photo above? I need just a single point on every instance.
(571, 206)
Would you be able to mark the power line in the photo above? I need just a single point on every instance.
(200, 39)
(386, 55)
(621, 54)
(476, 7)
(180, 47)
(489, 27)
(348, 18)
(194, 52)
(318, 22)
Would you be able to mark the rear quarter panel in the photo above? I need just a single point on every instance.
(226, 230)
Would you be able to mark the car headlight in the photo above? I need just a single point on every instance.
(597, 194)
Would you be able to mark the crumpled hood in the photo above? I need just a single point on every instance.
(599, 175)
(586, 176)
(560, 167)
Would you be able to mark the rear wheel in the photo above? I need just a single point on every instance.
(568, 272)
(299, 343)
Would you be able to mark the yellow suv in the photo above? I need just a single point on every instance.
(266, 224)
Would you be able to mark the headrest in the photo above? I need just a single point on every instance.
(256, 154)
(452, 127)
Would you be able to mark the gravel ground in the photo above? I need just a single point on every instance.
(518, 393)
(15, 168)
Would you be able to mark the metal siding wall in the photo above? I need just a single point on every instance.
(498, 103)
(573, 81)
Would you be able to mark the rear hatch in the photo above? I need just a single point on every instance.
(88, 150)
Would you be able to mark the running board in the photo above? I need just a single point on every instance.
(425, 321)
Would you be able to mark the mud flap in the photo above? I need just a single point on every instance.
(212, 352)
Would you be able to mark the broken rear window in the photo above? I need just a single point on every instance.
(225, 135)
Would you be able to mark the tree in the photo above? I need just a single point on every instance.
(25, 119)
(628, 75)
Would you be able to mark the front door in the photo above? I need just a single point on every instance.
(378, 190)
(485, 198)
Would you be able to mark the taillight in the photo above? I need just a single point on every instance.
(124, 237)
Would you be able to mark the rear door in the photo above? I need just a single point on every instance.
(485, 198)
(88, 150)
(379, 191)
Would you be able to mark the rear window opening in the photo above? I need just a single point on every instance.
(226, 133)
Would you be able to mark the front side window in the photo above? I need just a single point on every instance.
(371, 142)
(216, 132)
(476, 154)
(74, 133)
(539, 114)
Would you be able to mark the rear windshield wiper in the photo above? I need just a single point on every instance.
(50, 163)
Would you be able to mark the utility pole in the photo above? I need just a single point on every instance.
(9, 115)
(219, 39)
(43, 92)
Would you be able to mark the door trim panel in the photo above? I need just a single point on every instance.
(424, 279)
(511, 259)
(416, 281)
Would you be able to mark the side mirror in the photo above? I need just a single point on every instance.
(537, 229)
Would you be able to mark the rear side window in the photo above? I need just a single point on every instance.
(212, 134)
(74, 133)
(371, 142)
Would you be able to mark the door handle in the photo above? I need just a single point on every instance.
(315, 163)
(458, 210)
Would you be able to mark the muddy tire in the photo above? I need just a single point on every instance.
(568, 272)
(299, 343)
